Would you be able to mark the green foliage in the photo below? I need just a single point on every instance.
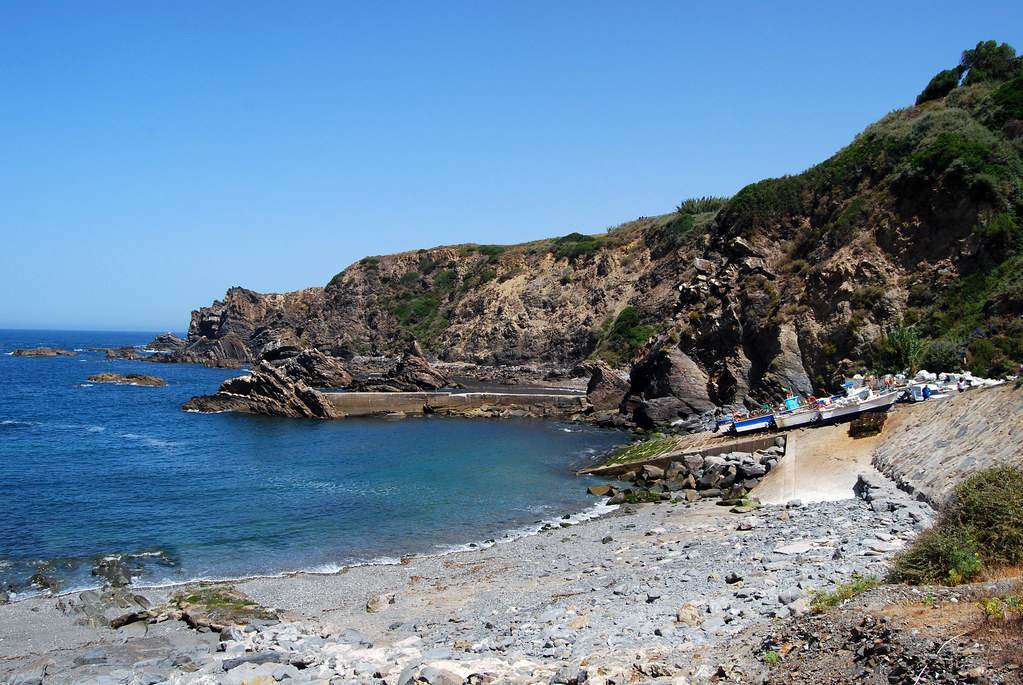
(989, 506)
(989, 61)
(822, 600)
(445, 280)
(941, 85)
(370, 263)
(939, 555)
(490, 250)
(769, 199)
(575, 244)
(701, 205)
(942, 354)
(980, 525)
(898, 351)
(1002, 234)
(954, 147)
(625, 338)
(772, 657)
(1004, 104)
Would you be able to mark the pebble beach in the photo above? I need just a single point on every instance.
(650, 592)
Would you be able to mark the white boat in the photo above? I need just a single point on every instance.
(800, 416)
(860, 401)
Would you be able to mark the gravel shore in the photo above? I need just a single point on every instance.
(648, 593)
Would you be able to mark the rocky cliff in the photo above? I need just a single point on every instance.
(903, 249)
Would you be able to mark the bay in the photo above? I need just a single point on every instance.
(92, 470)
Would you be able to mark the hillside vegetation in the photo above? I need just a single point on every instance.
(903, 250)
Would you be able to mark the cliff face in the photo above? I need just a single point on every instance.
(913, 228)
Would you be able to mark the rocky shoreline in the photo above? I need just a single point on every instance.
(653, 591)
(681, 592)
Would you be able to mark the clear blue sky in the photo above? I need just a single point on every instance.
(156, 153)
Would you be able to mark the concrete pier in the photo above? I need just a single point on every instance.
(383, 403)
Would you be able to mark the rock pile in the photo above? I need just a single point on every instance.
(729, 476)
(651, 596)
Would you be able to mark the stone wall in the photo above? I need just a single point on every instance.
(379, 403)
(939, 443)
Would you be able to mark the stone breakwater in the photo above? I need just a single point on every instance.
(653, 593)
(691, 476)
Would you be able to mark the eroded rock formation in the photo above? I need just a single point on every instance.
(267, 391)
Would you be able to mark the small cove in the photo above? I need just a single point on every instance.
(90, 470)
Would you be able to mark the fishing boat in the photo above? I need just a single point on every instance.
(756, 421)
(856, 402)
(800, 416)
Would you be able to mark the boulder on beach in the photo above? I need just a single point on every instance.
(606, 388)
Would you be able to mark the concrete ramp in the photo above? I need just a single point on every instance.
(820, 465)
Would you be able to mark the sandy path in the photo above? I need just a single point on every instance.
(820, 465)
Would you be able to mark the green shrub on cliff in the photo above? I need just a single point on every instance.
(980, 525)
(626, 336)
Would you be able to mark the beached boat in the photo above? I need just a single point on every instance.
(752, 423)
(800, 416)
(857, 402)
(725, 424)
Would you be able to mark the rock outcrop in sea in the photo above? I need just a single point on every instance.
(268, 391)
(130, 379)
(43, 352)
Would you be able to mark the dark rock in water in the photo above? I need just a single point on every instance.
(412, 373)
(106, 377)
(141, 379)
(130, 379)
(316, 369)
(43, 352)
(40, 580)
(114, 571)
(167, 342)
(606, 389)
(269, 392)
(4, 597)
(118, 352)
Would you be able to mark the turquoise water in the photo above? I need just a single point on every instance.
(94, 470)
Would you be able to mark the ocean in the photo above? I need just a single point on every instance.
(92, 471)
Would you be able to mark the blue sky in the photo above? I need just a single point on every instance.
(157, 153)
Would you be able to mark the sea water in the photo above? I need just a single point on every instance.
(91, 471)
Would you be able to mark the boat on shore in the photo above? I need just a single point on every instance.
(753, 422)
(800, 416)
(856, 402)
